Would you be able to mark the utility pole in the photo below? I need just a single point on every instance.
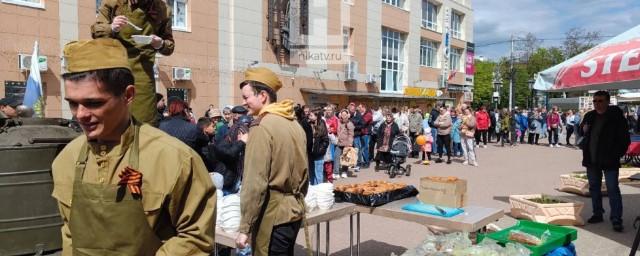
(511, 76)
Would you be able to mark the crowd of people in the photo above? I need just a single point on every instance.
(219, 136)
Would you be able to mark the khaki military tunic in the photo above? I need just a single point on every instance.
(178, 197)
(275, 178)
(154, 17)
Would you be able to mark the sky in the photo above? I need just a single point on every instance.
(497, 20)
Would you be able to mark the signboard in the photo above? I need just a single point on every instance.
(181, 93)
(469, 65)
(420, 91)
(14, 89)
(446, 44)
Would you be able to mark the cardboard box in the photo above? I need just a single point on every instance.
(443, 193)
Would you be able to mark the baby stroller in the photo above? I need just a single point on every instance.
(400, 149)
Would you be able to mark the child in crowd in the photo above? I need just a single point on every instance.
(426, 148)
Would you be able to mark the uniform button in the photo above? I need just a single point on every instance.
(102, 164)
(103, 153)
(101, 180)
(103, 147)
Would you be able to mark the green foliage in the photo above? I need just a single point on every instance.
(483, 84)
(536, 59)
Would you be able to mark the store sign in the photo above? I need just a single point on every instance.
(420, 92)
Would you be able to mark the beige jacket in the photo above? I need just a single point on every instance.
(276, 160)
(443, 123)
(175, 182)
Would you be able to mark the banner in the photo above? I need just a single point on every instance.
(470, 68)
(613, 64)
(446, 46)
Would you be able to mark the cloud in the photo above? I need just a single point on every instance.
(497, 20)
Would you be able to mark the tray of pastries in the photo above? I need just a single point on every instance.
(373, 193)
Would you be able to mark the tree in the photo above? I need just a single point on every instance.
(483, 83)
(527, 46)
(579, 40)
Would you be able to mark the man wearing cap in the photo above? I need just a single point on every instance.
(117, 19)
(9, 107)
(275, 179)
(238, 111)
(125, 188)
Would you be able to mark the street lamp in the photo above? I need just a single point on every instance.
(497, 85)
(530, 102)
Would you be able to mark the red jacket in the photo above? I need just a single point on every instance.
(553, 119)
(482, 120)
(332, 122)
(367, 117)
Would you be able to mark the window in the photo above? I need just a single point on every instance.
(396, 3)
(456, 25)
(392, 60)
(429, 15)
(454, 59)
(428, 55)
(30, 3)
(179, 9)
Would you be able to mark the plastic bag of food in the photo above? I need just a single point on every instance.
(516, 249)
(524, 238)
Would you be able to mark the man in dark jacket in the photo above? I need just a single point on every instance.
(432, 118)
(358, 123)
(367, 119)
(606, 139)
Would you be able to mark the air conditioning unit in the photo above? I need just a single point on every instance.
(181, 73)
(351, 71)
(24, 62)
(371, 79)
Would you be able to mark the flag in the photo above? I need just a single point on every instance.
(451, 75)
(33, 92)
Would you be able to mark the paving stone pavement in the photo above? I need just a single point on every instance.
(502, 171)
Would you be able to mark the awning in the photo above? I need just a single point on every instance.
(379, 95)
(614, 64)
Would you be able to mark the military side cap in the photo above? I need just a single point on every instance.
(239, 110)
(96, 54)
(264, 76)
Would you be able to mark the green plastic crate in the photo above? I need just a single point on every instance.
(560, 236)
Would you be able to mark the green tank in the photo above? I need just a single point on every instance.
(29, 220)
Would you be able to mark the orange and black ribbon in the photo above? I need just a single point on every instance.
(131, 178)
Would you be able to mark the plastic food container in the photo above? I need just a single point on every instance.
(560, 236)
(140, 39)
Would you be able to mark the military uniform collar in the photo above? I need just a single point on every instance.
(126, 139)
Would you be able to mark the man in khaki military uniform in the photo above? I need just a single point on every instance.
(125, 188)
(153, 17)
(275, 179)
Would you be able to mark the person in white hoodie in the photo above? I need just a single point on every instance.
(402, 119)
(377, 119)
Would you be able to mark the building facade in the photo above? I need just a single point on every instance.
(382, 52)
